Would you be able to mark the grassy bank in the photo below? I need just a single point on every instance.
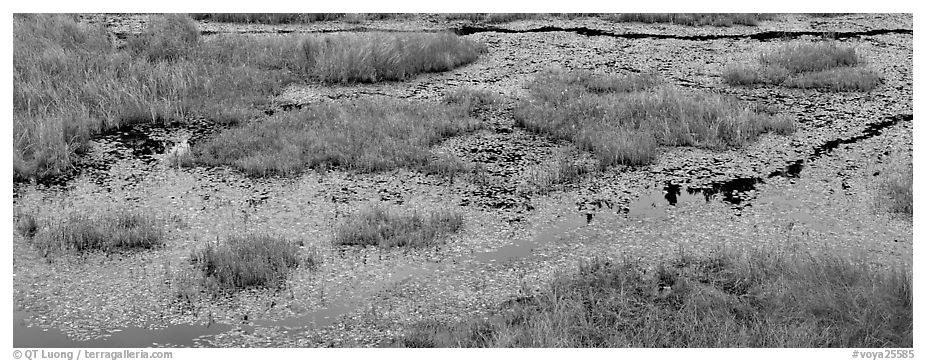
(71, 82)
(384, 227)
(622, 119)
(365, 135)
(825, 65)
(725, 299)
(250, 260)
(107, 232)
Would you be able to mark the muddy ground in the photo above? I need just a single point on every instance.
(814, 189)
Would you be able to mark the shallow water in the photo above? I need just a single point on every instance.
(173, 336)
(184, 335)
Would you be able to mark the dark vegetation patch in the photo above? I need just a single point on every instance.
(249, 261)
(824, 65)
(622, 119)
(383, 227)
(696, 19)
(108, 232)
(26, 224)
(726, 299)
(366, 135)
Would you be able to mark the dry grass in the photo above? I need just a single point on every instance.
(697, 19)
(565, 168)
(895, 188)
(473, 98)
(491, 18)
(725, 299)
(70, 82)
(386, 228)
(826, 65)
(250, 260)
(373, 57)
(26, 224)
(365, 135)
(107, 232)
(622, 119)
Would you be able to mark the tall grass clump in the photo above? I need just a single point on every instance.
(107, 232)
(696, 19)
(26, 224)
(726, 299)
(824, 65)
(366, 135)
(70, 82)
(382, 227)
(373, 57)
(622, 119)
(565, 168)
(250, 260)
(895, 189)
(167, 37)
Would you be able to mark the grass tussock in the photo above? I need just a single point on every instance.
(373, 57)
(168, 37)
(895, 189)
(445, 165)
(71, 82)
(826, 65)
(472, 98)
(622, 119)
(565, 168)
(696, 19)
(80, 232)
(383, 227)
(726, 299)
(26, 224)
(247, 261)
(365, 135)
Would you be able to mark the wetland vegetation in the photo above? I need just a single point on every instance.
(823, 65)
(622, 119)
(760, 298)
(380, 226)
(108, 232)
(386, 116)
(249, 260)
